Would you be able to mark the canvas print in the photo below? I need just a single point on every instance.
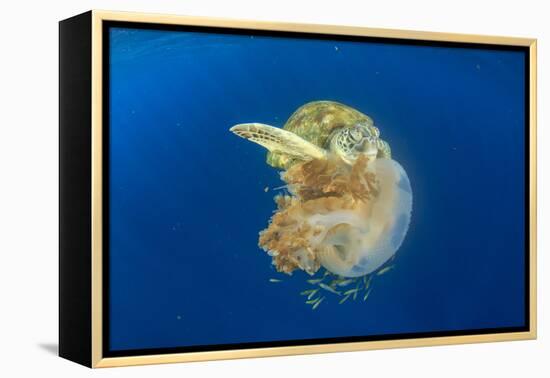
(271, 188)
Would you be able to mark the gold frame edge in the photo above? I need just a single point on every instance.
(97, 191)
(98, 16)
(533, 188)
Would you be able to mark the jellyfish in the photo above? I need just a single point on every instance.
(349, 221)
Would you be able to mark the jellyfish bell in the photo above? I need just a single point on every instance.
(358, 241)
(350, 224)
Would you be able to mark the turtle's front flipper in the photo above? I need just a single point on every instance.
(279, 140)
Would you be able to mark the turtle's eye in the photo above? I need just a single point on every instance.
(356, 134)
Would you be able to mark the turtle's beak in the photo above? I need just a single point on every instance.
(371, 154)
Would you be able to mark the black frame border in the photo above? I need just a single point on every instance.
(75, 182)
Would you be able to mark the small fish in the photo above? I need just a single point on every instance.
(307, 292)
(274, 280)
(312, 294)
(385, 270)
(344, 282)
(328, 288)
(366, 295)
(336, 48)
(266, 189)
(344, 299)
(313, 301)
(315, 305)
(351, 291)
(315, 281)
(367, 281)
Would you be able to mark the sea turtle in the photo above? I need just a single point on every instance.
(316, 130)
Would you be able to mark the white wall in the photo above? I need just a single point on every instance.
(28, 185)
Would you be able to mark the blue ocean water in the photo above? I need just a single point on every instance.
(187, 197)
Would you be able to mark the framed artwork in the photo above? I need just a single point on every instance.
(236, 189)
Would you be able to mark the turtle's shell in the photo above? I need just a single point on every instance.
(316, 122)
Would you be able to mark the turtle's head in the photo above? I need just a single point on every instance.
(351, 142)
